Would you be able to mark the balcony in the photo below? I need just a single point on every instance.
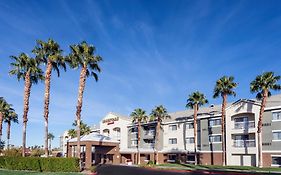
(244, 125)
(244, 143)
(149, 134)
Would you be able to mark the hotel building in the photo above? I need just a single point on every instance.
(176, 142)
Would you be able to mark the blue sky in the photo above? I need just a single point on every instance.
(155, 52)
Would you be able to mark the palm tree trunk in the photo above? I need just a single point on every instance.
(46, 103)
(27, 87)
(195, 107)
(259, 131)
(224, 98)
(50, 145)
(82, 82)
(157, 140)
(1, 125)
(8, 134)
(139, 142)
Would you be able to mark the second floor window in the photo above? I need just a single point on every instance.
(215, 138)
(276, 115)
(173, 141)
(189, 140)
(277, 135)
(189, 125)
(214, 122)
(173, 127)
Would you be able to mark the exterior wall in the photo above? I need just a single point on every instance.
(206, 131)
(238, 110)
(120, 123)
(169, 134)
(210, 158)
(267, 132)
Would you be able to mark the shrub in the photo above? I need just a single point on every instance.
(52, 164)
(12, 152)
(93, 169)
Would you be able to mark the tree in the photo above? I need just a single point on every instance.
(158, 114)
(194, 101)
(84, 129)
(224, 87)
(50, 54)
(262, 85)
(138, 116)
(50, 137)
(83, 56)
(4, 108)
(11, 116)
(27, 69)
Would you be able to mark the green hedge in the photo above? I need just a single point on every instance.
(52, 164)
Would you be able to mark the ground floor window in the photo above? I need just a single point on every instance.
(276, 161)
(172, 157)
(190, 158)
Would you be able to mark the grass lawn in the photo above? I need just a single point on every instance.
(12, 172)
(217, 167)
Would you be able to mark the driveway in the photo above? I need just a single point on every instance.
(128, 170)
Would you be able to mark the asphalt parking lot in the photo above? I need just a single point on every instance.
(129, 170)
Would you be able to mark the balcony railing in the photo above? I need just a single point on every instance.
(244, 125)
(149, 132)
(244, 143)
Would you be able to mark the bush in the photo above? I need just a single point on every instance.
(52, 164)
(12, 152)
(93, 169)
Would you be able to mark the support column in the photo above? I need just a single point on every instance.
(88, 161)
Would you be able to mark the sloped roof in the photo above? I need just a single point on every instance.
(94, 137)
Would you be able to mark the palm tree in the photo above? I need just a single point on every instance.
(84, 129)
(27, 69)
(50, 54)
(158, 114)
(138, 116)
(224, 87)
(11, 116)
(50, 137)
(4, 108)
(262, 86)
(194, 101)
(83, 56)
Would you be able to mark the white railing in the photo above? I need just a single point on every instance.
(244, 125)
(149, 132)
(244, 143)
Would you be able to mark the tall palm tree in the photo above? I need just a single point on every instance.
(11, 116)
(224, 87)
(158, 114)
(194, 101)
(83, 56)
(27, 69)
(50, 137)
(262, 85)
(50, 54)
(138, 116)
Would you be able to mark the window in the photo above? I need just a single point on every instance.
(172, 157)
(215, 138)
(190, 158)
(134, 142)
(214, 122)
(276, 115)
(189, 125)
(173, 127)
(276, 161)
(106, 132)
(134, 130)
(277, 135)
(189, 140)
(241, 119)
(173, 141)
